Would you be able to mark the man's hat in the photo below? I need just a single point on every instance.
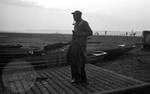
(77, 12)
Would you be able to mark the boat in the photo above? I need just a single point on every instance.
(10, 46)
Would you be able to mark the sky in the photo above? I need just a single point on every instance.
(112, 15)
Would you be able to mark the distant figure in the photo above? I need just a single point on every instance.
(134, 34)
(96, 33)
(105, 32)
(76, 55)
(126, 33)
(145, 40)
(144, 33)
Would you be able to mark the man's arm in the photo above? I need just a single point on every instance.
(88, 30)
(85, 31)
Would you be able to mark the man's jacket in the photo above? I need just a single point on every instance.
(81, 32)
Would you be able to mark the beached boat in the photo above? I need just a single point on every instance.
(10, 46)
(96, 56)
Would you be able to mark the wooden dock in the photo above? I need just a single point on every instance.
(58, 81)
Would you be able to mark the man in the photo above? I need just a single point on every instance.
(76, 55)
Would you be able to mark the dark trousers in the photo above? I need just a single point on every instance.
(1, 79)
(78, 72)
(77, 59)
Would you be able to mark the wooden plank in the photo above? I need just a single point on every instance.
(101, 86)
(67, 73)
(121, 79)
(109, 75)
(42, 88)
(138, 89)
(57, 83)
(53, 83)
(115, 75)
(20, 87)
(103, 80)
(98, 85)
(50, 88)
(110, 80)
(119, 82)
(90, 86)
(68, 83)
(81, 87)
(71, 88)
(33, 87)
(36, 89)
(18, 84)
(61, 82)
(7, 89)
(103, 83)
(25, 84)
(13, 88)
(11, 85)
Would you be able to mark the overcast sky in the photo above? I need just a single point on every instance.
(114, 15)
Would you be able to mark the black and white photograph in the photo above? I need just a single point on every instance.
(74, 46)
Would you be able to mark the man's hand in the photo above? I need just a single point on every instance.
(73, 31)
(89, 38)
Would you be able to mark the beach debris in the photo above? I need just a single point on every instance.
(117, 52)
(13, 72)
(146, 39)
(95, 56)
(55, 46)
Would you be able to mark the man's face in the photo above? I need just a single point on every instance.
(76, 17)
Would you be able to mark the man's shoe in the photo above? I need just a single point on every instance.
(72, 80)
